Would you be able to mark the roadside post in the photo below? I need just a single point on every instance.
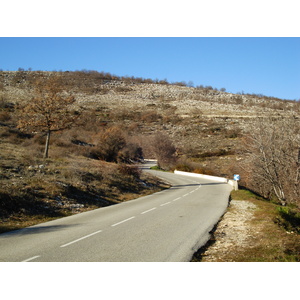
(236, 178)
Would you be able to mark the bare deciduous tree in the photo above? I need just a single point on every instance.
(273, 161)
(48, 110)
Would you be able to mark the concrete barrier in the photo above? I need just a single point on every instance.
(233, 183)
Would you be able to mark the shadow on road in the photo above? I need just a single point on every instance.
(36, 230)
(196, 184)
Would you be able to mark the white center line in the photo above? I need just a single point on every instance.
(31, 258)
(148, 210)
(84, 237)
(122, 221)
(177, 199)
(165, 203)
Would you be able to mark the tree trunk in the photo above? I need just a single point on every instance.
(47, 144)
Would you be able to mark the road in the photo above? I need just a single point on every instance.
(168, 226)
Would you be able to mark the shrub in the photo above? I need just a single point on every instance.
(184, 168)
(114, 145)
(186, 165)
(108, 144)
(288, 218)
(164, 151)
(131, 152)
(128, 170)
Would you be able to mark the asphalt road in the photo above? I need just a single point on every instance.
(167, 226)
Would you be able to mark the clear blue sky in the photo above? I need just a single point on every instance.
(269, 66)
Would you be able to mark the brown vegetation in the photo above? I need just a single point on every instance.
(120, 120)
(48, 110)
(273, 160)
(34, 189)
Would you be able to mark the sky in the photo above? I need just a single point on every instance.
(260, 65)
(242, 46)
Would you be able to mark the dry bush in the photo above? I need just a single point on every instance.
(113, 144)
(216, 153)
(91, 120)
(13, 135)
(108, 143)
(145, 143)
(150, 117)
(131, 152)
(125, 180)
(129, 170)
(164, 150)
(186, 165)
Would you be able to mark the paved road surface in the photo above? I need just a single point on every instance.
(166, 226)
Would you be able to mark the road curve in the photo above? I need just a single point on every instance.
(166, 226)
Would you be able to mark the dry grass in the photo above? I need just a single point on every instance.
(269, 241)
(258, 238)
(33, 190)
(205, 125)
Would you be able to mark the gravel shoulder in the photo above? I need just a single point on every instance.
(232, 232)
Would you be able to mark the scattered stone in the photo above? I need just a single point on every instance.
(232, 231)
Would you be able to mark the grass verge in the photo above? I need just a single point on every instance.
(271, 234)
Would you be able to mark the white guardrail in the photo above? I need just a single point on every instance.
(233, 183)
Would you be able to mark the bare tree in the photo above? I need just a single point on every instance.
(273, 160)
(164, 150)
(48, 110)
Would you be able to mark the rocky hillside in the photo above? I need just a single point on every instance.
(204, 123)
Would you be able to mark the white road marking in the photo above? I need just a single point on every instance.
(177, 199)
(31, 258)
(148, 210)
(82, 238)
(165, 203)
(185, 195)
(122, 221)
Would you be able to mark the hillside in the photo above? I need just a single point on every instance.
(118, 120)
(203, 123)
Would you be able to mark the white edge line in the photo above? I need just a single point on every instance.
(31, 258)
(148, 210)
(122, 221)
(84, 237)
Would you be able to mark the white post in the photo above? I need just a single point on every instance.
(236, 185)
